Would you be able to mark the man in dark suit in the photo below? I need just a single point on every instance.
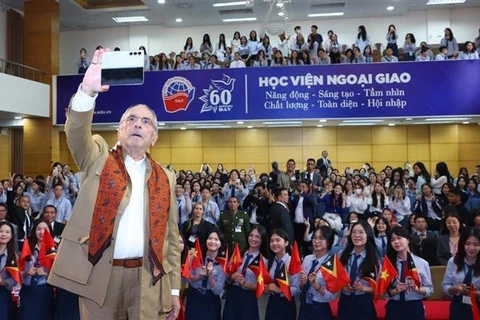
(3, 217)
(19, 215)
(279, 216)
(324, 163)
(303, 208)
(312, 177)
(49, 214)
(423, 242)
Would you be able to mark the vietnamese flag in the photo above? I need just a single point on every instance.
(283, 282)
(473, 297)
(371, 278)
(295, 262)
(260, 278)
(236, 260)
(186, 267)
(412, 270)
(26, 252)
(48, 251)
(14, 271)
(197, 260)
(335, 275)
(222, 259)
(386, 276)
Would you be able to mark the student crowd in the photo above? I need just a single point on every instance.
(299, 49)
(359, 232)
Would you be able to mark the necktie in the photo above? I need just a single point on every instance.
(312, 269)
(354, 269)
(356, 60)
(247, 262)
(402, 278)
(233, 190)
(384, 246)
(216, 199)
(205, 278)
(278, 267)
(179, 205)
(469, 275)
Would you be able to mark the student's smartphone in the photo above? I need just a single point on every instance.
(120, 68)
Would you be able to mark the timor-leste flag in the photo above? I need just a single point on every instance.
(48, 251)
(186, 267)
(262, 269)
(473, 297)
(283, 282)
(222, 259)
(236, 260)
(12, 268)
(371, 278)
(197, 260)
(295, 262)
(255, 265)
(335, 275)
(412, 270)
(389, 272)
(26, 252)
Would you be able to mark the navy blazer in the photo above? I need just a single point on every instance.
(308, 206)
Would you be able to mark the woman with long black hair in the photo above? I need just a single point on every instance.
(360, 259)
(392, 38)
(405, 293)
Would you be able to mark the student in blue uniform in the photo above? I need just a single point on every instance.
(404, 296)
(463, 271)
(278, 307)
(206, 284)
(360, 259)
(241, 301)
(314, 297)
(7, 255)
(381, 230)
(36, 296)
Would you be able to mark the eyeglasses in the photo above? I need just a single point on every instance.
(133, 119)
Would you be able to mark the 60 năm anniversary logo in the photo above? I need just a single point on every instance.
(218, 96)
(177, 94)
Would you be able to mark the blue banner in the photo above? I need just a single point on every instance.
(380, 90)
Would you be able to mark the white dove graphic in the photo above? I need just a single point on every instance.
(227, 83)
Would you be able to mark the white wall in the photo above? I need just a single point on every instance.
(24, 96)
(3, 35)
(425, 25)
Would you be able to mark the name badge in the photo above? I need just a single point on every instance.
(192, 238)
(309, 299)
(240, 221)
(466, 300)
(238, 229)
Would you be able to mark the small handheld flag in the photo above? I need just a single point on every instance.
(335, 275)
(386, 276)
(197, 260)
(295, 262)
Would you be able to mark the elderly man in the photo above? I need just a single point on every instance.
(120, 248)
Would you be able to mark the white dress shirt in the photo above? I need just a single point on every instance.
(237, 64)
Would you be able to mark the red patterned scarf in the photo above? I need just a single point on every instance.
(113, 184)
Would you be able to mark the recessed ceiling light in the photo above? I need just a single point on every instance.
(328, 14)
(438, 2)
(323, 120)
(281, 14)
(279, 4)
(466, 122)
(239, 19)
(178, 20)
(229, 4)
(360, 121)
(130, 19)
(161, 1)
(161, 123)
(18, 118)
(320, 125)
(409, 119)
(447, 119)
(240, 122)
(183, 128)
(391, 124)
(249, 127)
(390, 8)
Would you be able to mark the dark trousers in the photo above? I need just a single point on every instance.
(400, 310)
